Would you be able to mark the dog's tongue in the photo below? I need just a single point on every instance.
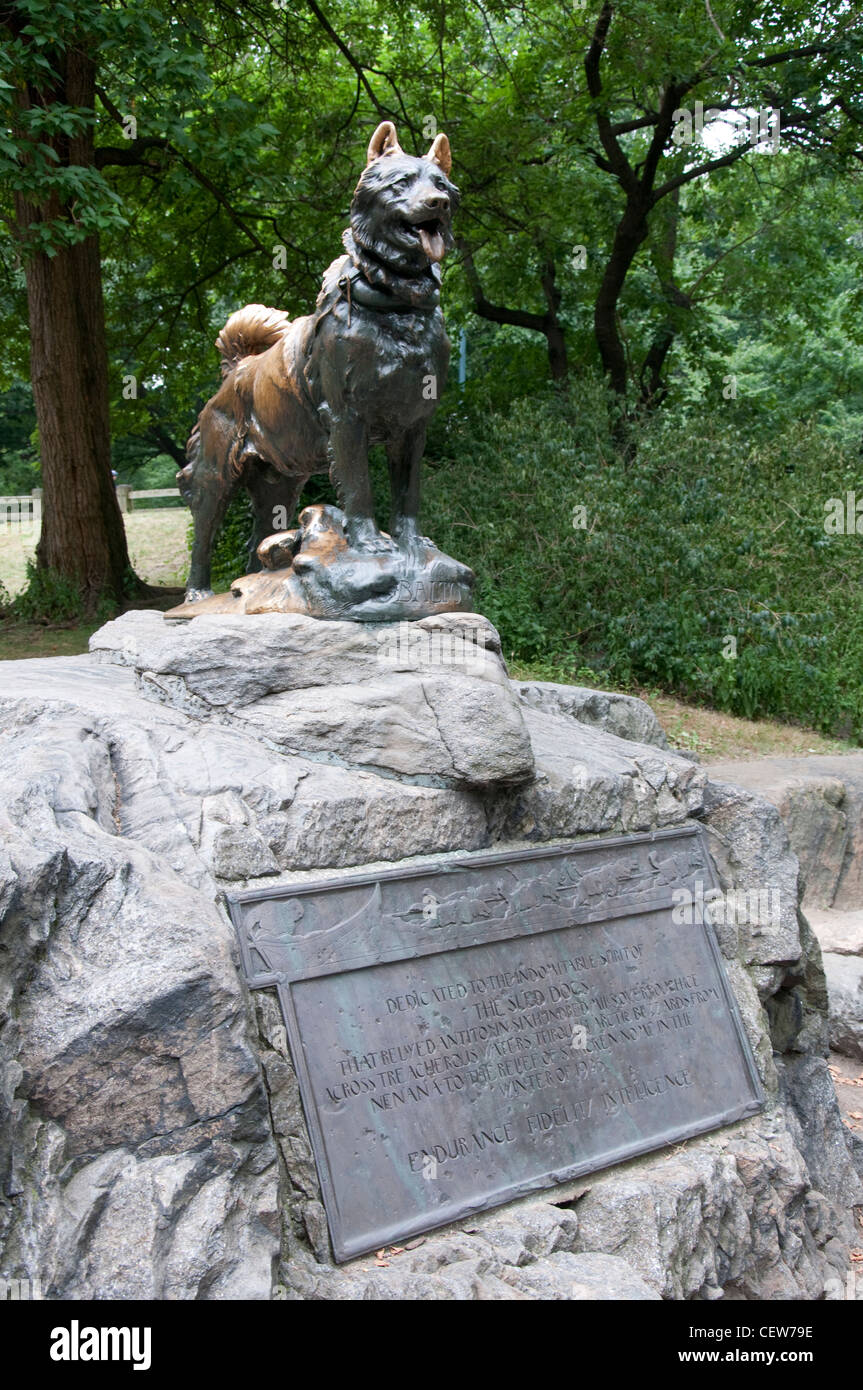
(432, 244)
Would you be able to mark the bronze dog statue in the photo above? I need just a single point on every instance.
(313, 395)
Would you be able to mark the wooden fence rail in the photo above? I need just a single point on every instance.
(28, 506)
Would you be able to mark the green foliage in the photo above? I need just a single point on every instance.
(19, 458)
(598, 573)
(135, 462)
(48, 597)
(717, 534)
(251, 124)
(231, 550)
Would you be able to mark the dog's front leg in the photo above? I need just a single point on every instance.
(404, 456)
(349, 470)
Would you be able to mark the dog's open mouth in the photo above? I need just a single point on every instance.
(430, 235)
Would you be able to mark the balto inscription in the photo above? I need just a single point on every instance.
(448, 1069)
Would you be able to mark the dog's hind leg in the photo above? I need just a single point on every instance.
(209, 512)
(274, 501)
(207, 484)
(404, 456)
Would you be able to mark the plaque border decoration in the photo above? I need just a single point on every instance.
(370, 949)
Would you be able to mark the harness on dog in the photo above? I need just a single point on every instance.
(354, 286)
(384, 288)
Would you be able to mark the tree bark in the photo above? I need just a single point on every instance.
(629, 235)
(83, 538)
(651, 380)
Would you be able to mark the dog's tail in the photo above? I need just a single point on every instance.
(249, 331)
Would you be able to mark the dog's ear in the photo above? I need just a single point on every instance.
(441, 153)
(384, 141)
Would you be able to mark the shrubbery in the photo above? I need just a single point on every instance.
(50, 598)
(715, 533)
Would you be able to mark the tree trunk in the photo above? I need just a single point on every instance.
(653, 386)
(83, 538)
(631, 232)
(557, 359)
(82, 527)
(554, 335)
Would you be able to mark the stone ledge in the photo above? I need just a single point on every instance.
(427, 699)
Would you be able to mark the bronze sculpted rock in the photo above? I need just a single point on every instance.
(313, 395)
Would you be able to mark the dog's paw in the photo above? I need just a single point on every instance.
(365, 538)
(376, 545)
(409, 540)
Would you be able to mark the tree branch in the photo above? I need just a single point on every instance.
(346, 53)
(670, 98)
(131, 154)
(197, 174)
(620, 165)
(624, 127)
(770, 60)
(519, 318)
(690, 174)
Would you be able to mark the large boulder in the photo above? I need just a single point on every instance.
(840, 933)
(613, 713)
(845, 990)
(153, 1140)
(427, 699)
(820, 798)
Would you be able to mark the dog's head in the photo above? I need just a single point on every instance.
(403, 205)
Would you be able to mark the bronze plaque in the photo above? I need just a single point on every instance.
(469, 1030)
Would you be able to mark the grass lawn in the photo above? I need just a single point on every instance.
(715, 736)
(157, 547)
(159, 554)
(19, 640)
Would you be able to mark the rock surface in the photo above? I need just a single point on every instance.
(845, 990)
(614, 714)
(820, 798)
(427, 699)
(839, 932)
(152, 1140)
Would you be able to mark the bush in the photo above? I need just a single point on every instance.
(231, 550)
(52, 598)
(48, 597)
(703, 569)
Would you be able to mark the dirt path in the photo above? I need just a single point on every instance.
(716, 736)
